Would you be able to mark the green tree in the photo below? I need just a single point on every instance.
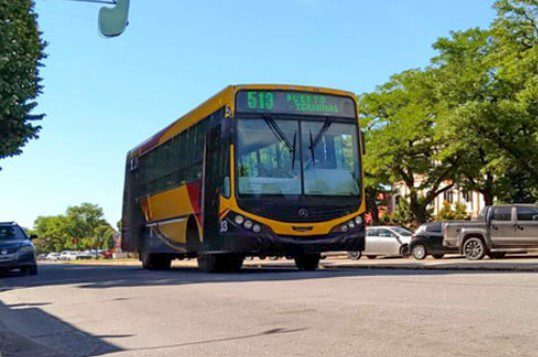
(489, 87)
(21, 52)
(402, 116)
(376, 177)
(402, 214)
(449, 213)
(81, 227)
(52, 233)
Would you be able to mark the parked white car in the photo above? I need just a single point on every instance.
(52, 257)
(85, 255)
(68, 255)
(385, 241)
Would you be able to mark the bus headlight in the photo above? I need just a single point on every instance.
(239, 219)
(358, 220)
(247, 224)
(351, 224)
(256, 228)
(344, 228)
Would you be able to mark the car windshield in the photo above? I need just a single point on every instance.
(10, 232)
(270, 152)
(402, 231)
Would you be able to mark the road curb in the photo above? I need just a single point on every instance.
(433, 267)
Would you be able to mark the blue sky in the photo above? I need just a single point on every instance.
(104, 96)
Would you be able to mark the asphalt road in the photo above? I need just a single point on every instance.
(77, 310)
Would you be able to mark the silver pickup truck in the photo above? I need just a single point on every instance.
(497, 230)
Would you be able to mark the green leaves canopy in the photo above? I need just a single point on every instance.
(82, 227)
(470, 118)
(21, 50)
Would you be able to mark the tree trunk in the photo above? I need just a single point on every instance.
(487, 191)
(488, 197)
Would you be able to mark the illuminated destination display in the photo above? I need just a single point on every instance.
(286, 102)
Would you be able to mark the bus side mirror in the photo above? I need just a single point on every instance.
(114, 20)
(363, 144)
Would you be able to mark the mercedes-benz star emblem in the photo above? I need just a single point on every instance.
(303, 213)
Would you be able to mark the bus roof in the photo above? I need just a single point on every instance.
(225, 97)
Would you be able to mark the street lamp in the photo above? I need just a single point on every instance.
(114, 20)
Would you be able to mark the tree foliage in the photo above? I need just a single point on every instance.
(470, 118)
(21, 50)
(402, 116)
(81, 227)
(449, 213)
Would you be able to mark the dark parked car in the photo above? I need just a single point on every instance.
(16, 249)
(428, 240)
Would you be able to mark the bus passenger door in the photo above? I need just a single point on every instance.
(211, 187)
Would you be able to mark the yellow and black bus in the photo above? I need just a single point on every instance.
(257, 170)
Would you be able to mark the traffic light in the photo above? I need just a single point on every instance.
(113, 20)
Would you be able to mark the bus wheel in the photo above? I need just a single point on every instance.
(220, 263)
(307, 262)
(155, 262)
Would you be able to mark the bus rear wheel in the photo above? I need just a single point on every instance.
(220, 263)
(307, 262)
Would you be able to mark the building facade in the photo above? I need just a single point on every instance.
(473, 201)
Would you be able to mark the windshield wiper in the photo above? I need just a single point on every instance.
(314, 142)
(281, 136)
(321, 133)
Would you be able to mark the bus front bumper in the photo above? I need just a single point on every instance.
(270, 244)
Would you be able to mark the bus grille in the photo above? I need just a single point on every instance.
(290, 212)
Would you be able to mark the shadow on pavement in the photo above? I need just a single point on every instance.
(110, 276)
(26, 330)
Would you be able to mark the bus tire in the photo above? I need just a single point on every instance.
(192, 236)
(220, 263)
(155, 261)
(307, 262)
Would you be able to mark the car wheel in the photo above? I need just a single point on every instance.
(308, 262)
(33, 270)
(474, 248)
(371, 256)
(419, 252)
(438, 256)
(404, 251)
(354, 255)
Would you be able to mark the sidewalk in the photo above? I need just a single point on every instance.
(511, 263)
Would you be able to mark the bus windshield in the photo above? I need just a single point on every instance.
(297, 156)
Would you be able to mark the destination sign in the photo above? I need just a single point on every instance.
(287, 102)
